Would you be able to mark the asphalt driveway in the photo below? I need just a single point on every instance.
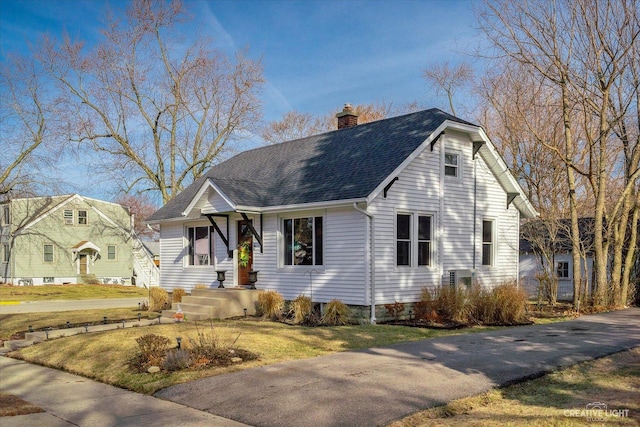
(379, 385)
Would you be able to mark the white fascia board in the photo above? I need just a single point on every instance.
(509, 183)
(299, 206)
(205, 186)
(407, 161)
(47, 213)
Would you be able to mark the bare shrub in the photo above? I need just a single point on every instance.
(176, 360)
(395, 309)
(270, 304)
(335, 313)
(158, 299)
(152, 348)
(177, 294)
(301, 309)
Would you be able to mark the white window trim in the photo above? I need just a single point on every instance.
(281, 242)
(65, 219)
(459, 167)
(414, 241)
(115, 253)
(86, 217)
(212, 248)
(494, 241)
(53, 253)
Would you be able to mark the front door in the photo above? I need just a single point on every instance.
(245, 236)
(83, 261)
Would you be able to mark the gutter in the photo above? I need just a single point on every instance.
(372, 264)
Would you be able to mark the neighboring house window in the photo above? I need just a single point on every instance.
(563, 270)
(48, 253)
(303, 241)
(6, 216)
(68, 217)
(200, 246)
(111, 252)
(5, 253)
(487, 242)
(403, 239)
(424, 240)
(451, 164)
(412, 234)
(82, 218)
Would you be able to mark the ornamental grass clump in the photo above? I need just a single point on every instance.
(301, 309)
(270, 304)
(158, 299)
(177, 294)
(335, 313)
(452, 303)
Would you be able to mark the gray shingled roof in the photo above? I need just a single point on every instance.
(339, 165)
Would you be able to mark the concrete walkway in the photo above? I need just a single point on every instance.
(379, 385)
(71, 400)
(69, 305)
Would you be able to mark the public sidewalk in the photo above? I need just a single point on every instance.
(71, 400)
(69, 305)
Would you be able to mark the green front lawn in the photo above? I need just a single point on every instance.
(68, 292)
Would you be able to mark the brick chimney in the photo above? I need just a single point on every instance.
(347, 117)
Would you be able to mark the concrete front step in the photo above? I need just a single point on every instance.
(216, 304)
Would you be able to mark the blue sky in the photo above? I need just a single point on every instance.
(317, 54)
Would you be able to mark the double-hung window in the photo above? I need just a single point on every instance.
(83, 218)
(111, 253)
(403, 239)
(68, 217)
(487, 242)
(200, 244)
(562, 269)
(452, 164)
(48, 253)
(303, 241)
(414, 235)
(5, 253)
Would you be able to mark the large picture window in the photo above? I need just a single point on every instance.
(303, 241)
(200, 245)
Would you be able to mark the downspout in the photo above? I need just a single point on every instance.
(372, 263)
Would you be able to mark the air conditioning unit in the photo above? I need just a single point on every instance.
(459, 278)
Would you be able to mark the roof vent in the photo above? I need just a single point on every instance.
(347, 117)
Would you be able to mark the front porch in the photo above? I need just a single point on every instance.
(224, 303)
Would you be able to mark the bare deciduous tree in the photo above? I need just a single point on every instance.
(583, 51)
(294, 124)
(27, 116)
(158, 108)
(448, 79)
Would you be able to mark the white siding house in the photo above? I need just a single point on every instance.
(368, 214)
